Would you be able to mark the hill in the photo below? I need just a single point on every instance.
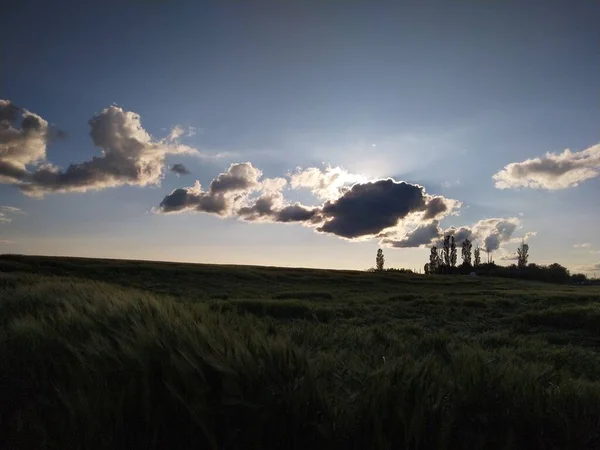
(101, 354)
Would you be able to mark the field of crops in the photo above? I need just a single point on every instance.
(103, 354)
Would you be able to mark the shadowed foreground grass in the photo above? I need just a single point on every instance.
(288, 358)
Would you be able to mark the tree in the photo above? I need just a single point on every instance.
(426, 268)
(452, 252)
(578, 278)
(466, 252)
(477, 254)
(447, 251)
(490, 259)
(558, 273)
(522, 255)
(379, 260)
(433, 260)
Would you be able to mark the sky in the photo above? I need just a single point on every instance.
(300, 133)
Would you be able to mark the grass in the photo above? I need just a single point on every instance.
(103, 354)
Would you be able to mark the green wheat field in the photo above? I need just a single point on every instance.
(107, 354)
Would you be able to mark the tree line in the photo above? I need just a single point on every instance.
(444, 260)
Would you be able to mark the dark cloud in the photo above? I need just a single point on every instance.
(436, 207)
(194, 199)
(179, 169)
(360, 211)
(421, 236)
(263, 208)
(270, 208)
(368, 208)
(552, 171)
(225, 193)
(298, 213)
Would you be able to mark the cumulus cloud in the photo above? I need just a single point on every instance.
(129, 155)
(326, 184)
(495, 231)
(230, 195)
(489, 233)
(551, 171)
(360, 211)
(179, 169)
(438, 207)
(23, 139)
(367, 209)
(584, 245)
(421, 236)
(224, 193)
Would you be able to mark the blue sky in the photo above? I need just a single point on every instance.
(442, 94)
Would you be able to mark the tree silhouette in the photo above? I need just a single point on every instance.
(433, 260)
(522, 255)
(379, 260)
(426, 269)
(477, 254)
(447, 251)
(452, 252)
(490, 259)
(466, 252)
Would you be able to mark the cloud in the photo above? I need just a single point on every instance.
(129, 155)
(438, 207)
(421, 236)
(509, 257)
(179, 169)
(451, 184)
(367, 209)
(489, 233)
(495, 231)
(238, 178)
(552, 171)
(361, 211)
(225, 191)
(177, 132)
(589, 267)
(6, 212)
(584, 245)
(23, 139)
(325, 184)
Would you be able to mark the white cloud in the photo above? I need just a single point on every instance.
(325, 183)
(584, 245)
(492, 233)
(451, 184)
(23, 139)
(6, 212)
(177, 132)
(129, 155)
(552, 171)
